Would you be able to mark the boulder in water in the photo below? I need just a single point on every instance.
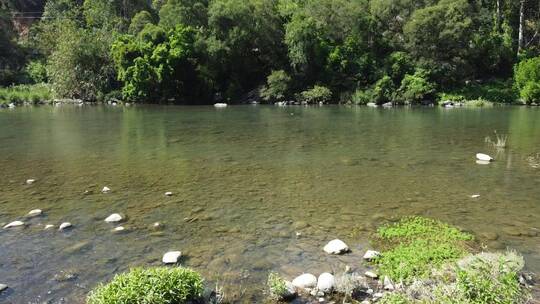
(14, 224)
(114, 218)
(336, 247)
(65, 226)
(484, 157)
(171, 257)
(326, 282)
(306, 280)
(35, 212)
(105, 189)
(30, 181)
(371, 254)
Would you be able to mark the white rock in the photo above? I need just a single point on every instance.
(14, 224)
(371, 254)
(321, 300)
(48, 227)
(157, 225)
(119, 229)
(64, 226)
(336, 247)
(326, 282)
(483, 162)
(171, 257)
(475, 196)
(371, 274)
(3, 287)
(378, 295)
(483, 157)
(30, 181)
(306, 280)
(388, 284)
(105, 189)
(114, 218)
(371, 104)
(220, 105)
(168, 193)
(11, 106)
(35, 212)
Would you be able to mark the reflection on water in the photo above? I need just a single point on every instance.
(246, 180)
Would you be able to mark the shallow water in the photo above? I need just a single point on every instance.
(246, 180)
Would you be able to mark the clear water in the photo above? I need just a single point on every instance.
(245, 180)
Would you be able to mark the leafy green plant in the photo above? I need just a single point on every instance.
(362, 97)
(531, 92)
(394, 298)
(527, 79)
(277, 86)
(478, 103)
(415, 88)
(383, 91)
(316, 95)
(36, 71)
(416, 245)
(151, 286)
(277, 287)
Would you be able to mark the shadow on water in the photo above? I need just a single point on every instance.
(255, 189)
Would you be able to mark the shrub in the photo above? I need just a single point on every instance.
(394, 298)
(383, 91)
(415, 88)
(478, 103)
(154, 285)
(316, 95)
(362, 97)
(37, 71)
(493, 91)
(525, 73)
(416, 245)
(277, 86)
(277, 287)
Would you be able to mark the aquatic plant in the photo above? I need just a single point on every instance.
(277, 287)
(415, 245)
(478, 103)
(500, 142)
(158, 285)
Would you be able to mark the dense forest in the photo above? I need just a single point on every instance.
(203, 51)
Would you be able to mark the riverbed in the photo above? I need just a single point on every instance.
(254, 188)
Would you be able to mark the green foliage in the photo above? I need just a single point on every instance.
(151, 286)
(416, 245)
(25, 93)
(416, 88)
(139, 21)
(277, 287)
(493, 91)
(394, 298)
(317, 94)
(527, 79)
(362, 97)
(478, 103)
(383, 91)
(277, 86)
(37, 71)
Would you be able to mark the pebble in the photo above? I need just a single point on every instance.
(157, 225)
(119, 229)
(388, 285)
(168, 193)
(35, 212)
(14, 224)
(3, 287)
(105, 189)
(371, 274)
(475, 196)
(336, 247)
(64, 226)
(171, 257)
(114, 218)
(48, 227)
(30, 181)
(371, 254)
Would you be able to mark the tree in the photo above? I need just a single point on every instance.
(527, 79)
(416, 87)
(277, 86)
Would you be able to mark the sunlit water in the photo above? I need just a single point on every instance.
(246, 180)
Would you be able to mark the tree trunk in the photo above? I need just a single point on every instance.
(521, 25)
(498, 16)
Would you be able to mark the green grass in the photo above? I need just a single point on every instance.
(277, 287)
(497, 91)
(158, 285)
(416, 245)
(25, 93)
(395, 298)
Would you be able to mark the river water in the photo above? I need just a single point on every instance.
(255, 188)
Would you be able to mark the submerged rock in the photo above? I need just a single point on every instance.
(336, 247)
(371, 254)
(105, 189)
(3, 287)
(119, 229)
(35, 212)
(484, 157)
(114, 218)
(326, 282)
(48, 227)
(30, 181)
(475, 196)
(171, 257)
(65, 226)
(14, 224)
(306, 280)
(168, 193)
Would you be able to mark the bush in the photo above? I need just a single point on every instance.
(416, 245)
(362, 97)
(25, 93)
(493, 91)
(154, 285)
(277, 287)
(317, 94)
(416, 88)
(526, 75)
(37, 72)
(277, 86)
(478, 103)
(383, 91)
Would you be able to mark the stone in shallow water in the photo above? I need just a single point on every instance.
(35, 212)
(65, 226)
(119, 229)
(14, 224)
(3, 287)
(371, 274)
(30, 181)
(168, 193)
(171, 257)
(105, 189)
(483, 157)
(336, 247)
(47, 227)
(326, 282)
(371, 254)
(114, 218)
(306, 280)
